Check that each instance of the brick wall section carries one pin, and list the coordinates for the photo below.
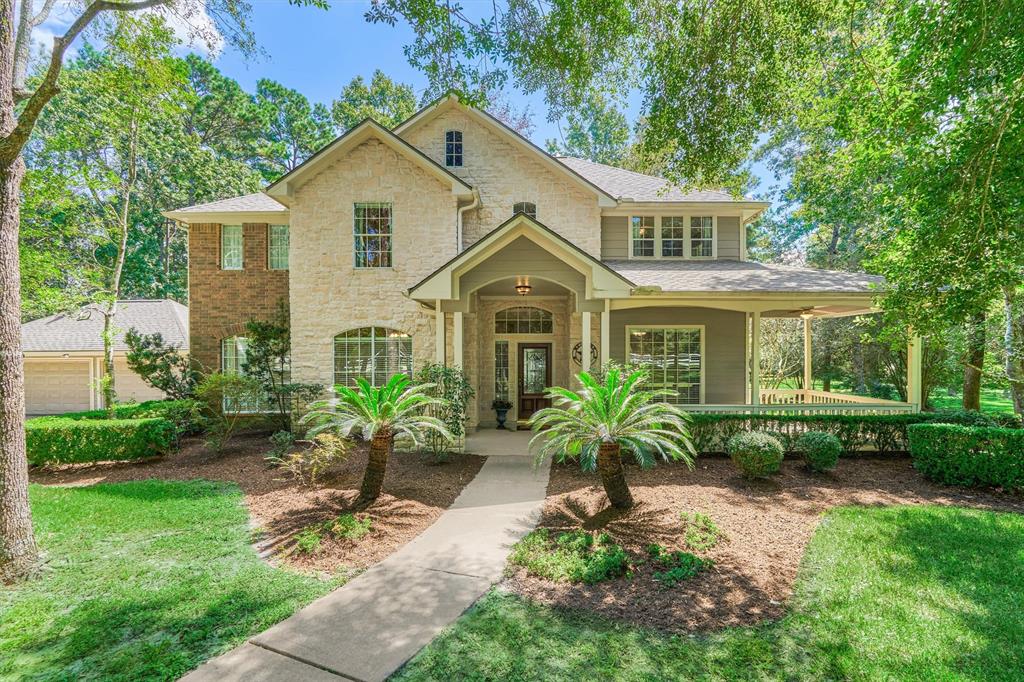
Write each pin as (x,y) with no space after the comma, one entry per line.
(222,301)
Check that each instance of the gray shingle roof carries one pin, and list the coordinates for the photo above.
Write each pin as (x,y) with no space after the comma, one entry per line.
(81,331)
(723,275)
(624,184)
(249,203)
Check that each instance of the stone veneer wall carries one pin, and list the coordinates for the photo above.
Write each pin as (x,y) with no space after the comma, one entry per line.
(222,301)
(505,173)
(328,294)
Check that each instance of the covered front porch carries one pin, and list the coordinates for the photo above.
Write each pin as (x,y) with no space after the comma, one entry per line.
(522,309)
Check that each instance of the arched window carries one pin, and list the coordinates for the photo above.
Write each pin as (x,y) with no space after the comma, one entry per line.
(453,148)
(525,207)
(523,320)
(375,353)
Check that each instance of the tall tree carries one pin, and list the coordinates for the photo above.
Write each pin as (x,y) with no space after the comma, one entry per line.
(386,101)
(295,129)
(598,132)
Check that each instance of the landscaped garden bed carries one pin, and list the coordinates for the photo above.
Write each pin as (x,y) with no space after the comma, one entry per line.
(416,492)
(765,526)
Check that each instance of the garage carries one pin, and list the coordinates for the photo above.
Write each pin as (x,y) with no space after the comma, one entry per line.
(56,386)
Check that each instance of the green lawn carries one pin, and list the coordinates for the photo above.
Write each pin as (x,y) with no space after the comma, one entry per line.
(143,581)
(992,401)
(907,593)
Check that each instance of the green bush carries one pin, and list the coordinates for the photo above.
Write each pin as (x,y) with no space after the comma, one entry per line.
(63,440)
(700,532)
(969,455)
(886,433)
(186,415)
(758,455)
(679,566)
(574,556)
(820,450)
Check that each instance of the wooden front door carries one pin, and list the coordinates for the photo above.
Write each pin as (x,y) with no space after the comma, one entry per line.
(534,377)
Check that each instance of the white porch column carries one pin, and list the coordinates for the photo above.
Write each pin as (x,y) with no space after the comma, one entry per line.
(438,333)
(808,373)
(755,360)
(585,338)
(606,337)
(914,395)
(457,341)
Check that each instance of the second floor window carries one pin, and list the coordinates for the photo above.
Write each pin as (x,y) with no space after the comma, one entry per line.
(453,148)
(642,236)
(278,254)
(687,236)
(526,208)
(231,247)
(372,235)
(702,236)
(673,236)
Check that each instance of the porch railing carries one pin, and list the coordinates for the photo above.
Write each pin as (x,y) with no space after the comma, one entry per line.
(799,401)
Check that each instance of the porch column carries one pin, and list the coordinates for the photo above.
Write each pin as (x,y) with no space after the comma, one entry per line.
(808,374)
(755,359)
(457,341)
(585,338)
(606,322)
(438,333)
(914,395)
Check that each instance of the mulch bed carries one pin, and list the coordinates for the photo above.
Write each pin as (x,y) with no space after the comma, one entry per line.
(767,525)
(415,493)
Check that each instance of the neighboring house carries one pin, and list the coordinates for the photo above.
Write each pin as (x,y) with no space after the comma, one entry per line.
(452,238)
(64,355)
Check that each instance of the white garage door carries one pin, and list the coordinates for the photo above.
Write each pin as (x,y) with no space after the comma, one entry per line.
(53,387)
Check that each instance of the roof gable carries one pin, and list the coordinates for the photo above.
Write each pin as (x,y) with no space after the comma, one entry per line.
(449,102)
(283,189)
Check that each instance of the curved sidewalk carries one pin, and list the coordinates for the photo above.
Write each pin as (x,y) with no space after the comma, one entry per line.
(371,626)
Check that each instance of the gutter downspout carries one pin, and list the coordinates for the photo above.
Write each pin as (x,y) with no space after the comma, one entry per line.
(458,219)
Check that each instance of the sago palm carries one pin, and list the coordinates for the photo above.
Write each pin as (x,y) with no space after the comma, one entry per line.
(378,415)
(606,417)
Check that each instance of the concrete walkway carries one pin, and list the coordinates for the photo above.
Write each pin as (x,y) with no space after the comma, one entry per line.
(370,627)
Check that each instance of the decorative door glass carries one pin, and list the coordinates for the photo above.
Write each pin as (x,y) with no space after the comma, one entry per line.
(535,370)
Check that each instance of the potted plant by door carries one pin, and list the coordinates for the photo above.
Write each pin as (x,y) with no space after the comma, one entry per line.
(501,408)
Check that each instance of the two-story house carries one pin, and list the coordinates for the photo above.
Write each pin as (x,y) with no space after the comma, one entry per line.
(451,238)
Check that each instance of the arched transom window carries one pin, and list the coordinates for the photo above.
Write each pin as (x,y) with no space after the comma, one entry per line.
(375,353)
(523,320)
(525,207)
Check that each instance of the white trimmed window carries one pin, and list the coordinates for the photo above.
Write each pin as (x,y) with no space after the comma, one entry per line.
(371,229)
(453,148)
(674,356)
(524,320)
(278,248)
(641,243)
(501,370)
(232,361)
(374,353)
(686,236)
(526,208)
(231,247)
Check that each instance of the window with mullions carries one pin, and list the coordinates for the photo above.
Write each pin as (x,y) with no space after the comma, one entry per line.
(374,353)
(453,148)
(278,250)
(673,236)
(523,320)
(642,227)
(231,247)
(526,208)
(371,229)
(702,236)
(501,370)
(672,355)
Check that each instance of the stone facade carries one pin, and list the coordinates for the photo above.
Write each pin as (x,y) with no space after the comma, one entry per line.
(505,173)
(329,294)
(222,301)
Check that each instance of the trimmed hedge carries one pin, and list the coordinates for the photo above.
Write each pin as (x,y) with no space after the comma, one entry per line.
(969,455)
(820,450)
(756,454)
(60,440)
(185,414)
(885,433)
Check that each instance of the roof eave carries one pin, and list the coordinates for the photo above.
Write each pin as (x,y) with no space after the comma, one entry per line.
(228,217)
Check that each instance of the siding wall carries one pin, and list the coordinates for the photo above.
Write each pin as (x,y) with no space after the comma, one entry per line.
(615,237)
(724,345)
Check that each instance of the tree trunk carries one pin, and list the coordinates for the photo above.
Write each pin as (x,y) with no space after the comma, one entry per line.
(18,553)
(376,466)
(974,362)
(613,478)
(1013,340)
(107,382)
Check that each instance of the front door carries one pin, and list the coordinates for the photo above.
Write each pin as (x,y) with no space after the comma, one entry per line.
(534,377)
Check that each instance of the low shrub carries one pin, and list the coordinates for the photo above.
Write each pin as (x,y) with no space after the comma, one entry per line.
(309,466)
(348,526)
(758,455)
(969,455)
(700,532)
(575,556)
(308,540)
(63,440)
(820,450)
(186,415)
(679,566)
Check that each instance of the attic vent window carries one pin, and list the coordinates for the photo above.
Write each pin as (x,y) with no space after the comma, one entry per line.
(453,148)
(526,208)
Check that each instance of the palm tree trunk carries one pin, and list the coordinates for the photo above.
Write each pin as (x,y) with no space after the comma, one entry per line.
(613,477)
(376,466)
